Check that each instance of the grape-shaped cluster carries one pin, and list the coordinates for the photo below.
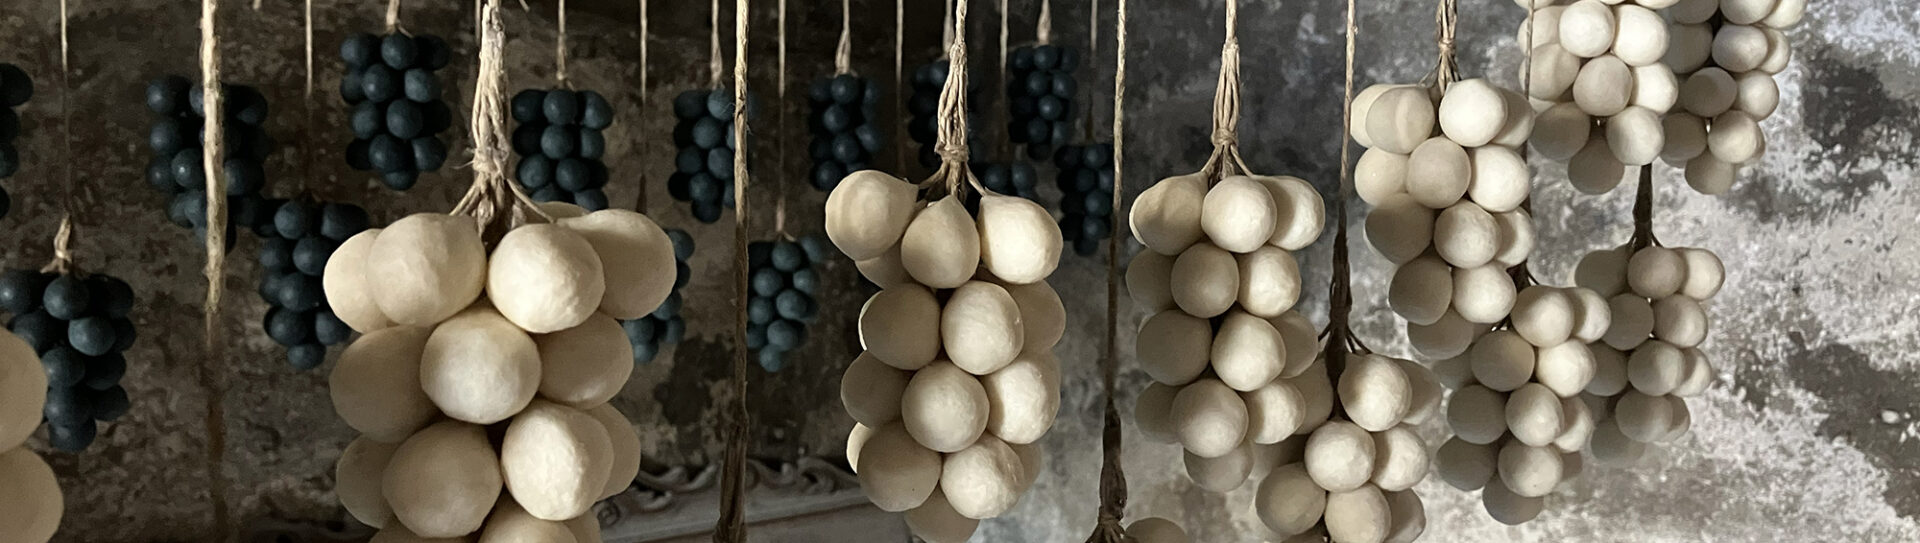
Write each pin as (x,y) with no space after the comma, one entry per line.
(397,113)
(178,168)
(1040,91)
(305,234)
(1445,182)
(1517,417)
(923,105)
(782,304)
(1651,356)
(703,168)
(1726,54)
(845,126)
(957,382)
(664,326)
(1596,69)
(560,143)
(78,325)
(1085,178)
(15,89)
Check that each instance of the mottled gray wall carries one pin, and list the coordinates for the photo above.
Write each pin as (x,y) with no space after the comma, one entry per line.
(1809,436)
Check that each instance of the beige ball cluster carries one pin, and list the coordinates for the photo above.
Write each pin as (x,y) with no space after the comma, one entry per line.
(1445,182)
(29,494)
(480,371)
(1725,52)
(957,382)
(1596,79)
(1651,357)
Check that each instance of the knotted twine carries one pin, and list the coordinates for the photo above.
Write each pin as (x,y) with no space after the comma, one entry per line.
(1340,340)
(1113,477)
(495,204)
(1643,211)
(560,46)
(843,53)
(1226,106)
(1446,18)
(393,15)
(952,119)
(732,524)
(62,262)
(212,157)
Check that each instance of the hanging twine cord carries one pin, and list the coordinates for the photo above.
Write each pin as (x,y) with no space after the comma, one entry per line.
(842,54)
(495,203)
(899,78)
(1643,211)
(306,107)
(1113,477)
(1340,340)
(1043,27)
(952,119)
(63,236)
(393,15)
(560,47)
(211,377)
(1226,105)
(732,524)
(640,196)
(946,30)
(1521,275)
(1446,20)
(780,129)
(718,65)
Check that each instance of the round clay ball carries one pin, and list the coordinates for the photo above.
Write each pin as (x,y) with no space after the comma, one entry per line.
(1543,315)
(1656,368)
(1519,125)
(867,213)
(1238,214)
(1421,290)
(1269,281)
(1529,471)
(1578,426)
(1466,235)
(1157,530)
(444,480)
(1400,119)
(1023,398)
(1759,96)
(1604,86)
(30,495)
(1173,347)
(944,408)
(1699,374)
(1360,514)
(1149,280)
(349,293)
(1561,131)
(1438,173)
(1565,368)
(1042,315)
(1299,213)
(982,480)
(1709,175)
(1400,228)
(1374,392)
(585,365)
(1736,137)
(1655,88)
(555,460)
(1500,178)
(424,268)
(1632,322)
(1409,517)
(1399,459)
(1641,36)
(1739,48)
(1587,28)
(636,260)
(885,270)
(586,528)
(375,384)
(896,472)
(1316,393)
(1503,360)
(1533,415)
(941,248)
(1656,272)
(900,326)
(1379,174)
(1153,412)
(1274,412)
(1340,456)
(1288,501)
(1477,414)
(1445,338)
(1472,112)
(1247,352)
(1611,447)
(1464,465)
(1221,474)
(1705,273)
(1552,73)
(1301,339)
(1708,92)
(1166,216)
(1209,417)
(1591,315)
(871,390)
(1205,280)
(626,448)
(357,478)
(478,367)
(1604,271)
(397,533)
(1686,137)
(1507,507)
(1482,294)
(936,522)
(23,391)
(1595,169)
(511,523)
(1679,320)
(1609,371)
(981,327)
(1426,394)
(1019,242)
(1643,418)
(1362,106)
(1635,136)
(1516,237)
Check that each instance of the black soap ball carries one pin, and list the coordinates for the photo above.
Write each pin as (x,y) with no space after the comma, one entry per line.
(66,298)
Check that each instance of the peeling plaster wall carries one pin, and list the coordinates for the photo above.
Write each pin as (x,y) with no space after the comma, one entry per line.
(1809,435)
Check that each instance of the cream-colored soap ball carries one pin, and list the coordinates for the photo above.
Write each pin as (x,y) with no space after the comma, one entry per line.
(1641,37)
(357,478)
(1316,391)
(1482,294)
(1269,281)
(1655,88)
(900,326)
(1374,392)
(30,495)
(636,258)
(1500,178)
(1445,338)
(1561,131)
(585,365)
(1238,214)
(1543,315)
(1288,501)
(1632,322)
(400,534)
(1205,280)
(425,267)
(1424,400)
(1274,412)
(1587,28)
(1477,414)
(349,294)
(1689,45)
(981,327)
(1222,474)
(1409,516)
(1642,417)
(1301,339)
(1379,174)
(1635,135)
(480,368)
(1247,352)
(1565,368)
(1465,465)
(1604,271)
(1699,374)
(1709,92)
(23,391)
(1421,290)
(1611,447)
(1174,347)
(1595,169)
(555,460)
(1400,228)
(867,213)
(1472,112)
(1529,471)
(1685,137)
(585,528)
(1157,530)
(1358,515)
(626,448)
(1340,456)
(1466,236)
(1209,417)
(856,440)
(1519,125)
(944,408)
(1736,137)
(375,384)
(982,480)
(1590,312)
(936,522)
(1166,216)
(444,480)
(1739,48)
(1438,172)
(1552,73)
(1508,507)
(1503,360)
(896,472)
(1400,119)
(1516,237)
(1609,371)
(1023,398)
(1604,86)
(1578,427)
(511,523)
(1656,272)
(1656,368)
(871,390)
(941,247)
(1759,95)
(1711,176)
(1533,415)
(885,270)
(1705,273)
(1399,458)
(1019,242)
(1153,412)
(1149,280)
(1679,320)
(1043,317)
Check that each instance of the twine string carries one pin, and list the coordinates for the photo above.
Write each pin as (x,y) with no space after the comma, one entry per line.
(640,196)
(899,78)
(495,203)
(731,526)
(1643,211)
(1446,20)
(780,128)
(63,236)
(1043,27)
(1113,477)
(393,15)
(211,378)
(946,30)
(718,65)
(843,53)
(560,47)
(952,120)
(1340,340)
(1093,46)
(1226,105)
(306,107)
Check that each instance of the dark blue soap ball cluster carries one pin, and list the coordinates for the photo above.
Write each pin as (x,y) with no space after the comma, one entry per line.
(15,89)
(178,169)
(1010,179)
(79,326)
(923,108)
(560,142)
(782,299)
(845,125)
(396,110)
(703,165)
(305,234)
(1086,195)
(1040,89)
(664,326)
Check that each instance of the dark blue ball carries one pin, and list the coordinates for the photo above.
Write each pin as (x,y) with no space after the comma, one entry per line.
(306,356)
(708,133)
(785,335)
(399,51)
(756,337)
(788,256)
(359,49)
(105,371)
(21,290)
(645,352)
(720,104)
(806,281)
(558,141)
(528,105)
(288,327)
(595,112)
(67,405)
(168,95)
(378,83)
(310,254)
(682,243)
(676,330)
(390,154)
(561,107)
(772,361)
(123,334)
(400,180)
(301,293)
(276,253)
(846,89)
(768,282)
(41,331)
(72,437)
(641,330)
(296,219)
(669,308)
(760,310)
(405,120)
(706,212)
(66,298)
(591,199)
(592,145)
(110,404)
(421,85)
(91,336)
(795,305)
(65,367)
(690,105)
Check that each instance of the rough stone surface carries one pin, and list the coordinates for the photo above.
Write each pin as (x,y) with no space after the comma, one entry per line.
(1808,434)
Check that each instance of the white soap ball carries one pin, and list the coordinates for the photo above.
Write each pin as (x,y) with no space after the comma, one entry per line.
(1472,112)
(1656,368)
(1735,138)
(1739,48)
(555,460)
(1656,272)
(1421,290)
(585,528)
(1552,72)
(1445,338)
(1709,175)
(1363,104)
(1043,317)
(1529,471)
(1247,352)
(1399,458)
(1374,392)
(30,495)
(944,408)
(1400,119)
(941,247)
(1655,87)
(1465,465)
(375,384)
(626,449)
(1635,135)
(900,326)
(1689,46)
(585,365)
(1516,237)
(1153,412)
(1222,474)
(1566,368)
(1438,172)
(868,212)
(981,327)
(1694,11)
(1019,241)
(1477,414)
(885,270)
(1173,347)
(1699,374)
(1542,25)
(444,480)
(857,440)
(1205,280)
(1503,360)
(1604,86)
(424,268)
(1340,456)
(1603,270)
(1301,339)
(1708,92)
(1561,131)
(1501,179)
(1400,228)
(1409,517)
(510,523)
(1267,457)
(1424,401)
(345,282)
(1274,412)
(1591,315)
(1466,235)
(1157,530)
(560,210)
(982,480)
(1609,371)
(1577,427)
(1543,315)
(896,472)
(1166,216)
(1612,448)
(1758,95)
(1507,507)
(1454,372)
(1779,52)
(1032,460)
(1746,12)
(1238,214)
(1686,137)
(1679,320)
(1317,392)
(1533,415)
(1519,125)
(635,255)
(1023,397)
(23,391)
(1632,321)
(936,522)
(1149,279)
(1595,169)
(1643,418)
(1360,515)
(1705,273)
(1379,174)
(1299,213)
(1481,294)
(1209,417)
(1587,28)
(1785,14)
(1641,39)
(357,478)
(480,368)
(871,390)
(400,534)
(1288,501)
(1269,281)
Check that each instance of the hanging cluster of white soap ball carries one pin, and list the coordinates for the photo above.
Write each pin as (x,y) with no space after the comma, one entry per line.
(1596,77)
(29,493)
(1651,356)
(1726,53)
(481,371)
(1516,413)
(1446,182)
(957,382)
(1226,351)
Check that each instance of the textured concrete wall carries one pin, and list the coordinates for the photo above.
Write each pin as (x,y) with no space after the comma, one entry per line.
(1808,437)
